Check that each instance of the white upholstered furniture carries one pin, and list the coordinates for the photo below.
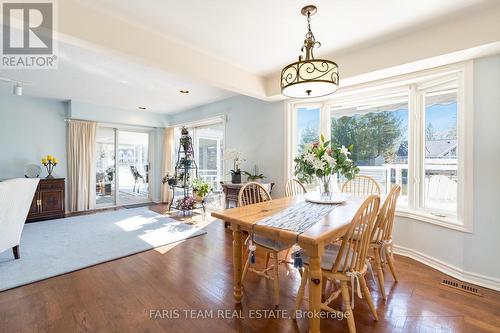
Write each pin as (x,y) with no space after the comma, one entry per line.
(16,196)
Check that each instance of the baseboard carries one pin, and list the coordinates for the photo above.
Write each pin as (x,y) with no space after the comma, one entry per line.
(453,271)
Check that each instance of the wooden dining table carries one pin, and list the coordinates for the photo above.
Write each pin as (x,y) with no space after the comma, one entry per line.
(312,241)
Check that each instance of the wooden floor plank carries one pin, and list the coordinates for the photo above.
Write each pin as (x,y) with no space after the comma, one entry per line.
(196,274)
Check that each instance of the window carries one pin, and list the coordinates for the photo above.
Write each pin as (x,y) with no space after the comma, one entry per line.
(414,131)
(377,129)
(307,127)
(208,144)
(441,152)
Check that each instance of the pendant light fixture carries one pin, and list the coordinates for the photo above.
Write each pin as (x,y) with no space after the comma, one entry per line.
(309,77)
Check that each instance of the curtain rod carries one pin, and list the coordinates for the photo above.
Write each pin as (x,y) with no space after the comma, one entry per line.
(113,124)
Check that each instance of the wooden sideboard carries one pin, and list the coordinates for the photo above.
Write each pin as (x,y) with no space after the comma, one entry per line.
(48,202)
(231,192)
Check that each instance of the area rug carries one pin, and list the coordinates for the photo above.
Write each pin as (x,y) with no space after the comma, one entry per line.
(55,247)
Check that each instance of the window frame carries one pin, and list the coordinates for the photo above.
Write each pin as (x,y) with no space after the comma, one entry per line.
(416,85)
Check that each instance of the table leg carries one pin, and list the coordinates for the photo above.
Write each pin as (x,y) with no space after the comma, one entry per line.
(237,258)
(315,287)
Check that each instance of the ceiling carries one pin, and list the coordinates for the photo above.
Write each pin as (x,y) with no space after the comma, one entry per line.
(104,79)
(215,48)
(263,35)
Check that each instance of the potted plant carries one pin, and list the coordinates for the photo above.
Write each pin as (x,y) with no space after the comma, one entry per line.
(200,189)
(187,203)
(256,176)
(185,139)
(321,161)
(237,158)
(170,180)
(185,162)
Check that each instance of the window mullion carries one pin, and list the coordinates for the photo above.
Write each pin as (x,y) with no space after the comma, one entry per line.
(414,144)
(325,123)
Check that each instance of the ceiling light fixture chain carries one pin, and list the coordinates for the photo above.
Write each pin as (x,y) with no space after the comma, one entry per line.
(310,41)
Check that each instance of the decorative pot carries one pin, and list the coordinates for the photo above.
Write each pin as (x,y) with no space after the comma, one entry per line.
(236,178)
(197,197)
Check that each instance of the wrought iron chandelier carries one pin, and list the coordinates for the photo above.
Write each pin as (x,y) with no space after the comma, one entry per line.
(309,77)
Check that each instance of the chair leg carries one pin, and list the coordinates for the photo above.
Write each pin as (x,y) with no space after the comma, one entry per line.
(346,297)
(390,261)
(15,250)
(267,260)
(368,296)
(276,279)
(300,293)
(245,269)
(380,273)
(323,289)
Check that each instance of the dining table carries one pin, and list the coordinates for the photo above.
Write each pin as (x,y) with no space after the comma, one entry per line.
(322,231)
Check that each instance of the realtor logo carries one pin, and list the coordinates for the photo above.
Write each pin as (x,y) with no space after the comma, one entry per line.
(27,35)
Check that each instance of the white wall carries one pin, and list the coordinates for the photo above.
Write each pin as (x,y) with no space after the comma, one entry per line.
(254,127)
(476,253)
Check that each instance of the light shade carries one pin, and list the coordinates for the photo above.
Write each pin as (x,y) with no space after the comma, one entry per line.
(309,78)
(18,90)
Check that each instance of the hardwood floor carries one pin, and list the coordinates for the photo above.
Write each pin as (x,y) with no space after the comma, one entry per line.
(197,274)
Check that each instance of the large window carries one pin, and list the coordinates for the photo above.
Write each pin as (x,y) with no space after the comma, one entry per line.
(378,132)
(415,133)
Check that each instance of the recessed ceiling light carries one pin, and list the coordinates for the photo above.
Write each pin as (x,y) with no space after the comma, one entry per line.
(184,91)
(142,108)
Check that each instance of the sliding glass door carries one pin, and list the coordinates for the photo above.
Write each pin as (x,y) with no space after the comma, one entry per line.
(133,167)
(122,167)
(105,167)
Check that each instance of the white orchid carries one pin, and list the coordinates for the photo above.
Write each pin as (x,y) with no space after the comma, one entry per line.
(234,155)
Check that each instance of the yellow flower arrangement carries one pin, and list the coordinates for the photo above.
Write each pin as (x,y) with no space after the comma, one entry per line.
(49,162)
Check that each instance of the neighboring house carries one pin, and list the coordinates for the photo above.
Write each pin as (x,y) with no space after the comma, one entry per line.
(442,148)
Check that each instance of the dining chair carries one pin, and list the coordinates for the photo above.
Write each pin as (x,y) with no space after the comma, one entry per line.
(381,240)
(361,185)
(293,187)
(252,193)
(347,263)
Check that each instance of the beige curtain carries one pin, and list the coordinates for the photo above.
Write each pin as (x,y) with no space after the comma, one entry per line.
(81,165)
(168,152)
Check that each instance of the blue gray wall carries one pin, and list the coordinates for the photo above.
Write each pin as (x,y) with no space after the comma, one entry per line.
(254,127)
(32,127)
(29,129)
(472,252)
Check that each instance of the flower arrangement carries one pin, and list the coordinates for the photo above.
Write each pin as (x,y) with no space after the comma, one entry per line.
(320,160)
(186,203)
(49,162)
(200,188)
(237,157)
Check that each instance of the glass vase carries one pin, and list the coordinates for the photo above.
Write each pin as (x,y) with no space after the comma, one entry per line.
(326,186)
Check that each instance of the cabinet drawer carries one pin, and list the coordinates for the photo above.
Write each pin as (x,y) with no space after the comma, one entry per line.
(52,185)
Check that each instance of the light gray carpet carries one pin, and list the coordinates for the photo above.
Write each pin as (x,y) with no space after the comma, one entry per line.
(55,247)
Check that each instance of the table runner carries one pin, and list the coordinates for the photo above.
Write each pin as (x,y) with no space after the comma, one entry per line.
(297,218)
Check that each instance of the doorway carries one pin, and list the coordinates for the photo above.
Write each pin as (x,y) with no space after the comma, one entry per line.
(122,167)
